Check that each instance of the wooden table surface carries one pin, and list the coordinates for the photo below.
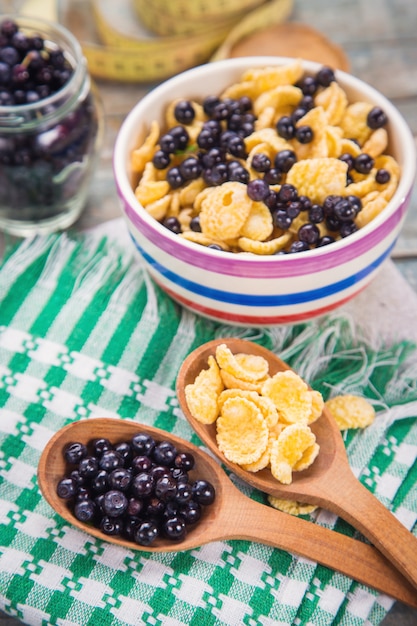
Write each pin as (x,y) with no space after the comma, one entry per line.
(380,41)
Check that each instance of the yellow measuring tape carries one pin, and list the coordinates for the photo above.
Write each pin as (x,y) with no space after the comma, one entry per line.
(119,44)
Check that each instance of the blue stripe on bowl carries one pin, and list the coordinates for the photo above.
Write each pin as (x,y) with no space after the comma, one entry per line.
(266,300)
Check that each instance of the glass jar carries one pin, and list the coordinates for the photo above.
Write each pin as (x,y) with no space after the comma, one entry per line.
(48,148)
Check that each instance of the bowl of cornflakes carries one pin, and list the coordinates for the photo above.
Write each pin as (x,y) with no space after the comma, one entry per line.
(264,190)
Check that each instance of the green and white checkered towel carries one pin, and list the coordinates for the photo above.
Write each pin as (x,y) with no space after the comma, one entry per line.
(84,332)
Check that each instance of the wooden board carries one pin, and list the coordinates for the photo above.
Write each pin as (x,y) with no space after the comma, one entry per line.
(292,39)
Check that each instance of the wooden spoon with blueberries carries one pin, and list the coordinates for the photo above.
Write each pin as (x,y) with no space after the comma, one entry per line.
(226,512)
(329,482)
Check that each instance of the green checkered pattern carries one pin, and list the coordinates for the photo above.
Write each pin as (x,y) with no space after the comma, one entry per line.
(84,332)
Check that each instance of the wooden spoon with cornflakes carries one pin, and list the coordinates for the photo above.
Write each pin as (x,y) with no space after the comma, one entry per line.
(231,516)
(329,482)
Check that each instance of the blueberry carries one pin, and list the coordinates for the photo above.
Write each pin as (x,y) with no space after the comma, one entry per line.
(142,443)
(184,112)
(329,204)
(185,461)
(293,208)
(333,223)
(120,478)
(344,210)
(77,478)
(180,475)
(305,202)
(285,127)
(298,113)
(100,482)
(212,157)
(142,485)
(257,189)
(299,246)
(273,176)
(174,528)
(316,214)
(130,525)
(355,202)
(304,134)
(207,139)
(271,200)
(376,118)
(195,225)
(324,241)
(111,525)
(306,103)
(101,445)
(237,172)
(308,85)
(181,137)
(83,493)
(325,76)
(287,193)
(155,507)
(190,512)
(217,175)
(221,111)
(166,488)
(115,503)
(84,510)
(109,460)
(347,228)
(146,533)
(141,463)
(161,159)
(88,466)
(135,506)
(167,143)
(74,452)
(125,450)
(174,177)
(203,491)
(348,159)
(382,176)
(261,162)
(281,219)
(236,147)
(158,471)
(363,163)
(183,493)
(190,168)
(209,104)
(164,453)
(66,488)
(309,233)
(284,160)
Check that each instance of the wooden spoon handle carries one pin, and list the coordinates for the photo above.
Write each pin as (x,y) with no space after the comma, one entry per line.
(358,506)
(360,561)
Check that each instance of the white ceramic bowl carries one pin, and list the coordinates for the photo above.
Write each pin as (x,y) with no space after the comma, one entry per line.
(254,290)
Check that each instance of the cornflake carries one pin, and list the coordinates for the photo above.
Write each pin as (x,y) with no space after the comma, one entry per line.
(290,506)
(351,411)
(242,432)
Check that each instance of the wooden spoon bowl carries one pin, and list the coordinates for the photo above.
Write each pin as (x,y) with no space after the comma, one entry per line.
(328,482)
(231,516)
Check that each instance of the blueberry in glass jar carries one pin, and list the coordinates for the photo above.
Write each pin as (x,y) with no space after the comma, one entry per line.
(49,127)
